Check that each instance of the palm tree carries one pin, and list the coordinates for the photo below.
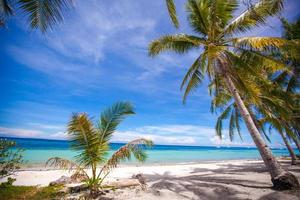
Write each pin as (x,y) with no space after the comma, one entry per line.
(91,141)
(42,14)
(216,29)
(290,82)
(271,113)
(284,93)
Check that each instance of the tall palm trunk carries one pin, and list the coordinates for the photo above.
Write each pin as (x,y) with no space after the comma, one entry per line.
(281,179)
(290,149)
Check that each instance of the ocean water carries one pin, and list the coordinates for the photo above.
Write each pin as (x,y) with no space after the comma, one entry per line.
(37,151)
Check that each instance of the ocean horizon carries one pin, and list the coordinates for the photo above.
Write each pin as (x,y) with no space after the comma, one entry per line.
(37,151)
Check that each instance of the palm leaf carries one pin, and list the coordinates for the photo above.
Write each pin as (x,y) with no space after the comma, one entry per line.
(198,13)
(44,14)
(61,163)
(223,116)
(260,43)
(5,8)
(66,164)
(254,15)
(172,12)
(220,13)
(84,138)
(237,122)
(111,118)
(194,76)
(179,43)
(258,59)
(5,11)
(135,148)
(232,125)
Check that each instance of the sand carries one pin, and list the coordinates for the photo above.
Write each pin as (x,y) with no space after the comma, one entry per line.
(236,179)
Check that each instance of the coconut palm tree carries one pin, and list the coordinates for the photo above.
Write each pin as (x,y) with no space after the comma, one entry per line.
(91,141)
(271,113)
(290,82)
(216,29)
(281,111)
(42,14)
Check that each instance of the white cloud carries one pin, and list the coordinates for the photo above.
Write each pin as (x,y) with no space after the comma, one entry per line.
(59,135)
(126,136)
(190,130)
(47,126)
(17,132)
(47,62)
(97,40)
(216,140)
(98,27)
(176,134)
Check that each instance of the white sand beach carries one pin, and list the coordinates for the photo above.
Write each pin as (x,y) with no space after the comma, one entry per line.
(236,179)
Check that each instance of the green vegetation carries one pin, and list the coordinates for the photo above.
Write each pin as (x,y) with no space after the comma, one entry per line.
(10,160)
(91,141)
(237,67)
(42,14)
(11,192)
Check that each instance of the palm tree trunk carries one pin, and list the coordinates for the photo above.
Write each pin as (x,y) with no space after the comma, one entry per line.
(281,179)
(290,149)
(94,187)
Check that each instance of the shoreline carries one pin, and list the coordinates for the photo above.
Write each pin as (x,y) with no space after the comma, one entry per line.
(41,167)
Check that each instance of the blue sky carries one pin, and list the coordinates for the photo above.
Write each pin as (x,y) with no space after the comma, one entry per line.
(99,56)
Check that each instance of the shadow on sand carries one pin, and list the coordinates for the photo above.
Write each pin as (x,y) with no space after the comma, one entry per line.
(227,182)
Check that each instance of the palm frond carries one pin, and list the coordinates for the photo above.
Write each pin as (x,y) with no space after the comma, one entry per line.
(5,8)
(254,15)
(66,164)
(221,99)
(223,116)
(198,13)
(135,148)
(84,138)
(220,13)
(61,163)
(172,12)
(5,11)
(44,14)
(111,118)
(194,76)
(260,43)
(179,43)
(232,126)
(237,122)
(291,30)
(258,59)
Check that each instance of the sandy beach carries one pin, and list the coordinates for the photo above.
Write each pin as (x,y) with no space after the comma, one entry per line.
(235,179)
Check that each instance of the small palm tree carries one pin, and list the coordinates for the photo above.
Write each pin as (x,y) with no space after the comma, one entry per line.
(91,141)
(222,49)
(42,14)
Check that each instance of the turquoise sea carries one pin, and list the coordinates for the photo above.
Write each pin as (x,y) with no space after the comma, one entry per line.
(37,151)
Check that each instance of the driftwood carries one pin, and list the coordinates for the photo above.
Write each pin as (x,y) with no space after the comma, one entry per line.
(61,181)
(122,183)
(136,180)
